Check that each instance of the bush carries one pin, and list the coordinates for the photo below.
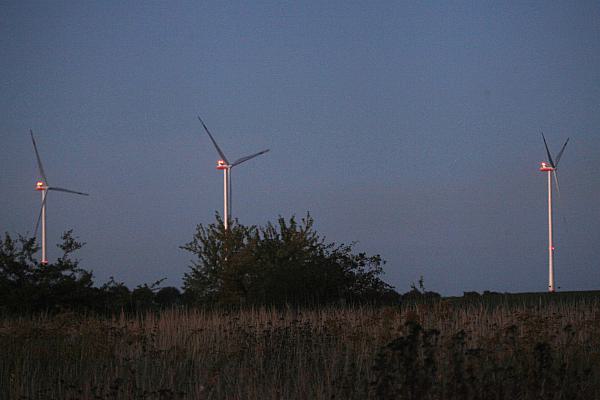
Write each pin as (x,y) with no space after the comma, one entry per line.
(283,263)
(27,286)
(168,296)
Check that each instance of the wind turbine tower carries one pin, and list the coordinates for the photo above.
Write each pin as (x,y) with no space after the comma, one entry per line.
(224,165)
(43,186)
(550,167)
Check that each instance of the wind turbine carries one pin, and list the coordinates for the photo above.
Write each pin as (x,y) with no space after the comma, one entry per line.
(43,186)
(224,165)
(551,168)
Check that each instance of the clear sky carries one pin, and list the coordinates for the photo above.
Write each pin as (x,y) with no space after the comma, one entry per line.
(412,128)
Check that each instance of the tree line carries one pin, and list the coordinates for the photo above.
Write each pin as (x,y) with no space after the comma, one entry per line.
(286,263)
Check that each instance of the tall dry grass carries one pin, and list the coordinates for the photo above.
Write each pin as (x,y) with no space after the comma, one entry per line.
(437,351)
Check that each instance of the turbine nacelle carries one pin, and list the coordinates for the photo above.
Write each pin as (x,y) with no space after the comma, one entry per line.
(545,167)
(39,185)
(221,165)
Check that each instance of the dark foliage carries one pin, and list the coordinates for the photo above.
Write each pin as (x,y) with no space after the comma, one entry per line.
(418,295)
(26,286)
(283,263)
(418,365)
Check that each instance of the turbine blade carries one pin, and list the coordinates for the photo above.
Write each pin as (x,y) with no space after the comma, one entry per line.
(39,160)
(67,191)
(560,153)
(37,223)
(548,151)
(556,181)
(558,208)
(243,159)
(214,142)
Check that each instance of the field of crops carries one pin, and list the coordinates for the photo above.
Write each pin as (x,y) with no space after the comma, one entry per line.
(442,350)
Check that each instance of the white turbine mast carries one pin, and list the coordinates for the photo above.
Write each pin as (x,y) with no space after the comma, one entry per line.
(43,186)
(226,166)
(551,167)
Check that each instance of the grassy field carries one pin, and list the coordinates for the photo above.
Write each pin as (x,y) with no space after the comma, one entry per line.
(451,349)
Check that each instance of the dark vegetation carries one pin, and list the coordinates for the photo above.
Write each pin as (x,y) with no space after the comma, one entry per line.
(412,351)
(277,312)
(26,287)
(286,263)
(282,264)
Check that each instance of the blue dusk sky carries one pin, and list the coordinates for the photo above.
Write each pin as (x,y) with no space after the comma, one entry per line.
(411,128)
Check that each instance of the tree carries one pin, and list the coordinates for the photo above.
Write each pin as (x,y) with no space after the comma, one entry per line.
(26,285)
(168,296)
(282,263)
(17,271)
(223,262)
(116,296)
